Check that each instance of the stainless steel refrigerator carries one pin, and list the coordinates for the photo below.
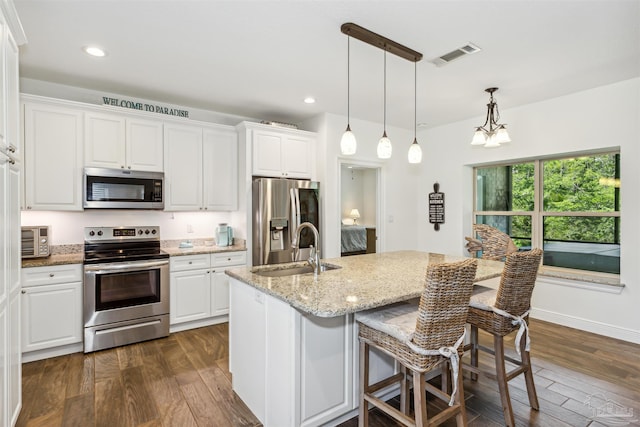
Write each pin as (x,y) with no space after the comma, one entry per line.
(279,207)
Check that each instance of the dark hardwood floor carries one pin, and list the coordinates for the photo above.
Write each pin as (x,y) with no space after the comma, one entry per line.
(183,380)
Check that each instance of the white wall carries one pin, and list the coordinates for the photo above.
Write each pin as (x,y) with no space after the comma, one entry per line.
(399,210)
(604,117)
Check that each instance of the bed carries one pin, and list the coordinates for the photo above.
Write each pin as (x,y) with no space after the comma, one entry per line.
(353,240)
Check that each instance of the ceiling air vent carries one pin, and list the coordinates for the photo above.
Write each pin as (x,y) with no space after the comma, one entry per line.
(467,49)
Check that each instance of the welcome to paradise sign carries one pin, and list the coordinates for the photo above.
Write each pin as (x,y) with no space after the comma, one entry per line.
(124,103)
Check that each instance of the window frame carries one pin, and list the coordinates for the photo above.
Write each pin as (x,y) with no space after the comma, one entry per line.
(538,214)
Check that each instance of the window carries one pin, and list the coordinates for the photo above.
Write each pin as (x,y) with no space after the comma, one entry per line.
(569,207)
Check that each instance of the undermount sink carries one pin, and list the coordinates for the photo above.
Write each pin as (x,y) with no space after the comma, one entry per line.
(292,270)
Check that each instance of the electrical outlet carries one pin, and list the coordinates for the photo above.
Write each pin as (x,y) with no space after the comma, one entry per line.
(189,228)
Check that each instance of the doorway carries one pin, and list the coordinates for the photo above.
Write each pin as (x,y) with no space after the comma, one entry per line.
(360,208)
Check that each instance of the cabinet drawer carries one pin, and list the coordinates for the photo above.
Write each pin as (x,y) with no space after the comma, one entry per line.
(189,262)
(228,258)
(37,276)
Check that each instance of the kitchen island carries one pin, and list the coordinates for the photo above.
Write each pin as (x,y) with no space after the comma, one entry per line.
(293,340)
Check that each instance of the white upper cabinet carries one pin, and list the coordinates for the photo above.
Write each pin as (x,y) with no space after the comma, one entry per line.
(53,157)
(220,169)
(183,167)
(116,142)
(282,153)
(201,170)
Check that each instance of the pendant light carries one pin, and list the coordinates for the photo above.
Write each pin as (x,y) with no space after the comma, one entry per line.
(384,148)
(415,152)
(384,145)
(348,141)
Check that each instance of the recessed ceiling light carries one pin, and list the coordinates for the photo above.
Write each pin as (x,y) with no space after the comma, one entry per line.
(94,51)
(309,100)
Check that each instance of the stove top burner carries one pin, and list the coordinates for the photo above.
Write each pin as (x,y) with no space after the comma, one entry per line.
(122,244)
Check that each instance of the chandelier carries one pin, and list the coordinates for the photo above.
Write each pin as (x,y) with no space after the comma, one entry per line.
(496,133)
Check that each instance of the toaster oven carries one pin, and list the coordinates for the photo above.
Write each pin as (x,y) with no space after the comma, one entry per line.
(35,241)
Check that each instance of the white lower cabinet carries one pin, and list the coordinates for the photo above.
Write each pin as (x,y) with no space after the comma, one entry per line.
(51,307)
(291,368)
(200,288)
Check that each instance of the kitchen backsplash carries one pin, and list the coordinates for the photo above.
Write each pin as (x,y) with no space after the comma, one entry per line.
(67,228)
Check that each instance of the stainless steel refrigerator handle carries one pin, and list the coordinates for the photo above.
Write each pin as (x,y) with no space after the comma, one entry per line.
(297,193)
(292,223)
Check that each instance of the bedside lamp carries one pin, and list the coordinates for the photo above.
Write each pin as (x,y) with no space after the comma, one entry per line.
(354,215)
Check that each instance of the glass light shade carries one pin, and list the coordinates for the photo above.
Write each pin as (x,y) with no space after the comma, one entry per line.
(492,141)
(384,147)
(415,152)
(502,136)
(479,137)
(348,142)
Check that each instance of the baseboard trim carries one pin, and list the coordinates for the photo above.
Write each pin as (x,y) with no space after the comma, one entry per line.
(600,328)
(48,353)
(179,327)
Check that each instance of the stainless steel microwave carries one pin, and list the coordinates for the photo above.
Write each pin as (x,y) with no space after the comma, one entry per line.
(35,241)
(123,189)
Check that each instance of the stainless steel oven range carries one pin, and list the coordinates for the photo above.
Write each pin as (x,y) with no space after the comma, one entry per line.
(126,286)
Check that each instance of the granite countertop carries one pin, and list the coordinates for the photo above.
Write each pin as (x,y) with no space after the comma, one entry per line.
(363,282)
(204,249)
(54,259)
(73,254)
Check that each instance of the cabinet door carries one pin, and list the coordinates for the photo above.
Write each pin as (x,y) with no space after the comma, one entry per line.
(53,157)
(104,145)
(219,293)
(266,154)
(190,296)
(220,169)
(144,148)
(12,125)
(4,361)
(296,157)
(183,168)
(15,358)
(51,316)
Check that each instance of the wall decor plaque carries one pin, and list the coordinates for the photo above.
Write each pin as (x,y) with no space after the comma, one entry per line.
(436,207)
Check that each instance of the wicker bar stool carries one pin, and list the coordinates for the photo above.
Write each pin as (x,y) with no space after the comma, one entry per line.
(422,338)
(500,312)
(493,243)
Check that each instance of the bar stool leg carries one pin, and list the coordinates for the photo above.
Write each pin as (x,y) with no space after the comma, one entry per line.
(528,375)
(461,417)
(363,410)
(420,398)
(498,344)
(474,351)
(404,391)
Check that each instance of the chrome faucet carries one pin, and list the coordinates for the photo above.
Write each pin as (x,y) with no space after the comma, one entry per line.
(314,257)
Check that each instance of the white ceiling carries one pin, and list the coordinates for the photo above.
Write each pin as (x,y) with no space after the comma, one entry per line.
(262,58)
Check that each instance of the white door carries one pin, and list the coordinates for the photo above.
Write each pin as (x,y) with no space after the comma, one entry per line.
(220,170)
(51,316)
(144,148)
(190,296)
(53,157)
(104,145)
(183,168)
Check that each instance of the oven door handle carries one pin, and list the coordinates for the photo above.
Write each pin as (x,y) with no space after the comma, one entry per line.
(124,266)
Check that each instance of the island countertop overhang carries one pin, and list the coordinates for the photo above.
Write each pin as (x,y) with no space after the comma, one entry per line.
(363,281)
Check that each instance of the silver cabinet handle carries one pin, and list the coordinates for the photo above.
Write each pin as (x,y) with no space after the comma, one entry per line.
(51,275)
